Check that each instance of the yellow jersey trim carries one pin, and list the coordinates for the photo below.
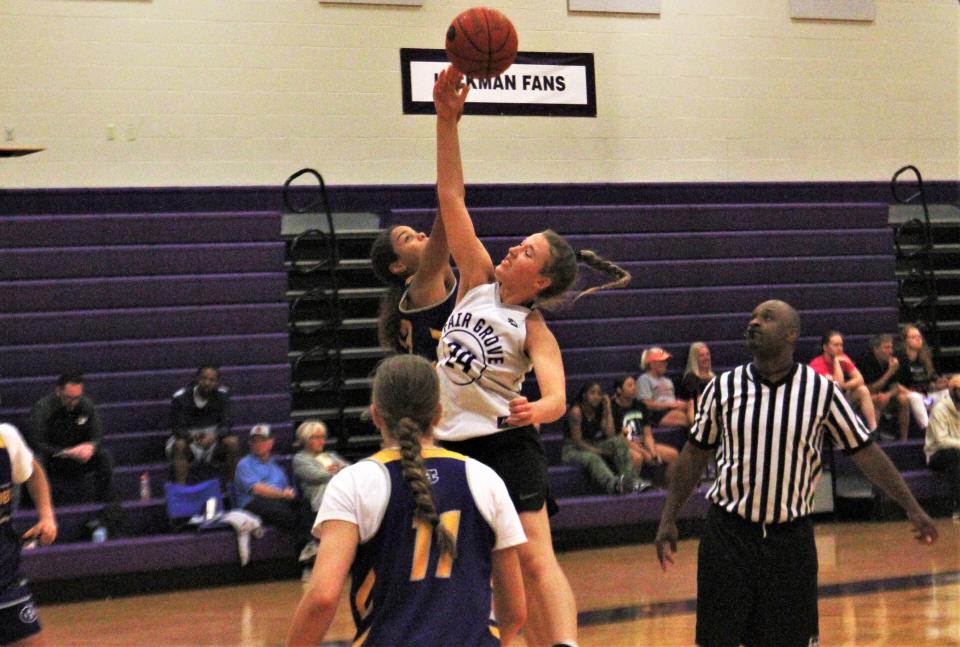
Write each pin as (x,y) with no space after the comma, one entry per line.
(385,456)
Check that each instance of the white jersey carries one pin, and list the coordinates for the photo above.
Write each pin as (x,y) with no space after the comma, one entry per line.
(481,363)
(21,458)
(360,493)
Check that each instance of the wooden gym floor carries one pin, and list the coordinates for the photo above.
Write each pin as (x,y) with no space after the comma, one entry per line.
(877,587)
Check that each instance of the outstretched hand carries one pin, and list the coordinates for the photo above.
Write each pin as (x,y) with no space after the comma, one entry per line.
(45,530)
(666,543)
(923,528)
(449,94)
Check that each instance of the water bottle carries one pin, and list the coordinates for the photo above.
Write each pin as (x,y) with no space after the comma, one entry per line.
(99,535)
(144,486)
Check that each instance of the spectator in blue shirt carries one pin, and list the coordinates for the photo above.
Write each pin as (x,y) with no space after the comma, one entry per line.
(262,487)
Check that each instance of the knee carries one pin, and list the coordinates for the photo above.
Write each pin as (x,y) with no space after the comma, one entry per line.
(180,448)
(230,444)
(102,459)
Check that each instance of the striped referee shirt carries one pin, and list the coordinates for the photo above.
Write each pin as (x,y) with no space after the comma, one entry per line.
(770,438)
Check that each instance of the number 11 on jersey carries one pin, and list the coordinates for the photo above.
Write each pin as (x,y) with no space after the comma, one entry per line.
(423,541)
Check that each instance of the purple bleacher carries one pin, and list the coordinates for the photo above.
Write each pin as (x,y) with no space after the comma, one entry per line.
(148,446)
(753,271)
(660,330)
(926,484)
(636,300)
(522,221)
(124,417)
(134,323)
(721,245)
(140,228)
(134,292)
(626,358)
(594,511)
(128,355)
(139,260)
(144,517)
(149,385)
(159,552)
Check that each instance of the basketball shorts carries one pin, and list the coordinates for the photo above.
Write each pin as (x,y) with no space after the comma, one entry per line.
(756,583)
(517,456)
(18,614)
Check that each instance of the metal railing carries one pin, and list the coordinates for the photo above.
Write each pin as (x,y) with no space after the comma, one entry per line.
(918,262)
(328,352)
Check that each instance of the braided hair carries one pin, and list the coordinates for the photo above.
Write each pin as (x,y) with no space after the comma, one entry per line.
(388,318)
(406,393)
(561,269)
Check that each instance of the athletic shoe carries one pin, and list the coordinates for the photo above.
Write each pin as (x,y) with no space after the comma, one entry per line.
(309,551)
(639,485)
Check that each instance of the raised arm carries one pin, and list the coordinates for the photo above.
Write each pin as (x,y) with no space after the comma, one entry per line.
(471,256)
(433,279)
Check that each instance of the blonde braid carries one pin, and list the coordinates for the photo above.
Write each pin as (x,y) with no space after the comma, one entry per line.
(621,277)
(407,432)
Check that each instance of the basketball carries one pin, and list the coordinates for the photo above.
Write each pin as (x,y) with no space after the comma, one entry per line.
(481,43)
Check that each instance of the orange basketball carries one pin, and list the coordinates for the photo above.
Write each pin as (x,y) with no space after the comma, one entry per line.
(481,43)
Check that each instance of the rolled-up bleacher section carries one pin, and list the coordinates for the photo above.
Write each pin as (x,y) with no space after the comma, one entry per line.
(137,302)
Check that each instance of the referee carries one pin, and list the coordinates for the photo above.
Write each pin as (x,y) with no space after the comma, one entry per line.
(757,563)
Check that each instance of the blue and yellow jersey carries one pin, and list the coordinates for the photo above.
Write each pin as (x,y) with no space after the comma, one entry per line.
(404,591)
(420,328)
(9,541)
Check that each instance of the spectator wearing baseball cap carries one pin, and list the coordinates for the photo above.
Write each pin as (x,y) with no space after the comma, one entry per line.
(656,390)
(262,487)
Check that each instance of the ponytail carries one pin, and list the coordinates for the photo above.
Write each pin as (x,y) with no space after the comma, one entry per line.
(562,271)
(406,392)
(388,319)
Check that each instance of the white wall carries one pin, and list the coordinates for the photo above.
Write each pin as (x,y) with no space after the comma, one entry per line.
(243,92)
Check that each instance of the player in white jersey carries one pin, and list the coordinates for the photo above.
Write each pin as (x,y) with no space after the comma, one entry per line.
(491,340)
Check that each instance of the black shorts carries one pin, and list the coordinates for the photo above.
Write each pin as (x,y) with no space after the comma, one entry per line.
(756,584)
(18,615)
(517,456)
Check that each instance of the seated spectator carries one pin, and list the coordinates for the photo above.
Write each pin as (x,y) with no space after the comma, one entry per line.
(65,434)
(656,391)
(879,368)
(834,364)
(942,445)
(262,487)
(202,446)
(922,384)
(589,440)
(630,420)
(312,466)
(695,378)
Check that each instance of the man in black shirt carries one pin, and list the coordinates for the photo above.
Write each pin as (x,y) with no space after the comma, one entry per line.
(879,368)
(65,433)
(201,445)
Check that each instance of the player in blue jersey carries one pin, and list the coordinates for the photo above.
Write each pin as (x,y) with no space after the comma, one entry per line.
(421,288)
(421,530)
(18,616)
(494,336)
